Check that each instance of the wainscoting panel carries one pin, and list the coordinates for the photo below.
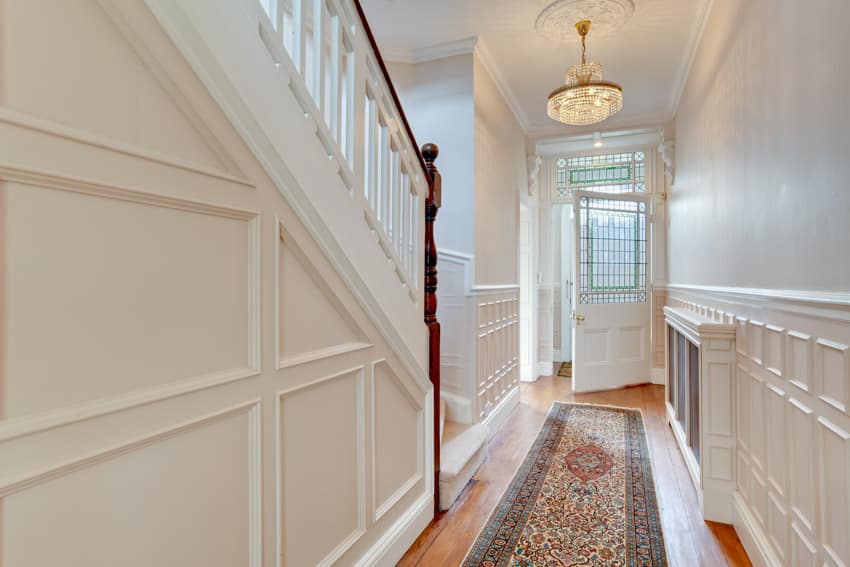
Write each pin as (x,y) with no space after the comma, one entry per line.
(311,322)
(497,348)
(314,481)
(793,447)
(398,417)
(187,347)
(109,508)
(120,259)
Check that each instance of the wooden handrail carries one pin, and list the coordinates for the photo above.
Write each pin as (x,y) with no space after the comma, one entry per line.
(391,87)
(432,206)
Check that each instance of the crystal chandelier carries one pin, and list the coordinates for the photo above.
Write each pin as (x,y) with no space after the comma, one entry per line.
(585,98)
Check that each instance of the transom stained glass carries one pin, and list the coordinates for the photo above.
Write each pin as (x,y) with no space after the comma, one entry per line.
(606,173)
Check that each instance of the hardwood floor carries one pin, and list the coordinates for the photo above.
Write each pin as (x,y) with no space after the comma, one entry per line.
(690,541)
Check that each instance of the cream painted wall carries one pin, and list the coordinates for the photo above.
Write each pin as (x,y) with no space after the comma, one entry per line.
(437,99)
(762,191)
(190,375)
(500,177)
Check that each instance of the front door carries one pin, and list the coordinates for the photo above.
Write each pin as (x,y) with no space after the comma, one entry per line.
(611,317)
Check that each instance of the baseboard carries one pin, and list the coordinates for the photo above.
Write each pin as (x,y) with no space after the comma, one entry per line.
(458,408)
(546,368)
(754,540)
(657,376)
(397,540)
(501,412)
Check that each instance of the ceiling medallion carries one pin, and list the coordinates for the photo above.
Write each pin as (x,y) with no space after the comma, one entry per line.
(585,98)
(608,16)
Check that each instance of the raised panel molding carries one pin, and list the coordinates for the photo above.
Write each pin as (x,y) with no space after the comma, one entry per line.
(742,384)
(320,412)
(252,446)
(757,422)
(774,345)
(804,488)
(803,553)
(832,373)
(381,504)
(755,341)
(312,323)
(777,440)
(37,188)
(834,484)
(800,360)
(793,395)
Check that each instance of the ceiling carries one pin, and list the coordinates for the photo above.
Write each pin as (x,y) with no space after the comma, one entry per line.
(649,56)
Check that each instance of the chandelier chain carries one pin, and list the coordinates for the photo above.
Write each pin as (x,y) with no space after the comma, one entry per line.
(583,49)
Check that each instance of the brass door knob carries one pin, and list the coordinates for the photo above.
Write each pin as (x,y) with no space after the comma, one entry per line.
(579,317)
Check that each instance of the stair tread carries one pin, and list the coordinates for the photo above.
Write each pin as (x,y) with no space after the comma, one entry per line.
(460,444)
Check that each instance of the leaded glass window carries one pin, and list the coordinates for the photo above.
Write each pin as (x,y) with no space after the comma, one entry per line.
(623,172)
(612,246)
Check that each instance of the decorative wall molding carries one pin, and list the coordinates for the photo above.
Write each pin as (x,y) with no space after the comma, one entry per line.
(466,46)
(793,432)
(10,486)
(699,25)
(207,65)
(491,66)
(463,46)
(533,163)
(48,128)
(826,304)
(359,372)
(380,509)
(667,149)
(466,261)
(497,346)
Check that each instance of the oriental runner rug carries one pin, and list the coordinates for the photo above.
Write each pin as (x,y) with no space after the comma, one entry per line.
(583,496)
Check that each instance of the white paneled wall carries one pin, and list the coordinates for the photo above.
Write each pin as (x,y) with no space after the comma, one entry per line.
(480,352)
(213,343)
(793,426)
(497,345)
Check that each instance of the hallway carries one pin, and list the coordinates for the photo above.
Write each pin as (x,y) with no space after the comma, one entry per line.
(689,540)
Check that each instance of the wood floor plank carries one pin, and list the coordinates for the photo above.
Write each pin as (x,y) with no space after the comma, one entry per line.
(690,541)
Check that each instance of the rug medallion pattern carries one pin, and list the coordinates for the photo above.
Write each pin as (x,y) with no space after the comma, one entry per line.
(584,496)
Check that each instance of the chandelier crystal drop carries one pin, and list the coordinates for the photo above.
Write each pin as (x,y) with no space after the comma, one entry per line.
(585,98)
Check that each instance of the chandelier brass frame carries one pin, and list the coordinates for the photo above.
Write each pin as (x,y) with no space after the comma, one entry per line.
(585,98)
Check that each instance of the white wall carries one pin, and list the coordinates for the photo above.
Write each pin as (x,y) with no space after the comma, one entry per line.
(437,99)
(761,145)
(761,201)
(500,177)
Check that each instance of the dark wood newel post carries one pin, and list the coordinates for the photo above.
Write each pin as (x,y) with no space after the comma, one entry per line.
(432,205)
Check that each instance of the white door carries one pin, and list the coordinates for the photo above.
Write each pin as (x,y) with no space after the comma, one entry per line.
(611,318)
(566,236)
(526,290)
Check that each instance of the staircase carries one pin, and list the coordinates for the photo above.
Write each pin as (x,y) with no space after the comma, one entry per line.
(463,447)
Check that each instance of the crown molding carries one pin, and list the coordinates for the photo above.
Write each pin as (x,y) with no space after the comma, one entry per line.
(489,64)
(465,46)
(649,136)
(700,23)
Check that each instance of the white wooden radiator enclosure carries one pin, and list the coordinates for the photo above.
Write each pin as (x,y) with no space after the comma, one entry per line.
(700,405)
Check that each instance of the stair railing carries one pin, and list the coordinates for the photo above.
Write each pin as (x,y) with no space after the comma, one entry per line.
(342,77)
(337,77)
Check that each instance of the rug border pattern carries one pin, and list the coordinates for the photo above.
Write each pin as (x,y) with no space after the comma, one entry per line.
(496,541)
